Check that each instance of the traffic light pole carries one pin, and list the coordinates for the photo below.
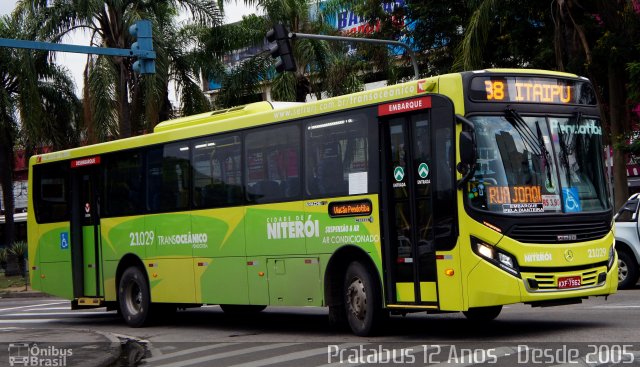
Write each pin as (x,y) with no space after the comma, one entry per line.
(37,45)
(142,49)
(293,35)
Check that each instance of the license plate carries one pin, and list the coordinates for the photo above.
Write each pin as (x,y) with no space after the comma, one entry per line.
(569,282)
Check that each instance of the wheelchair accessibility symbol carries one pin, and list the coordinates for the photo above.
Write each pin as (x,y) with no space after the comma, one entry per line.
(571,200)
(64,240)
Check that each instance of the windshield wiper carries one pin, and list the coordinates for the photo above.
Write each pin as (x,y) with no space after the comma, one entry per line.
(566,148)
(528,137)
(536,143)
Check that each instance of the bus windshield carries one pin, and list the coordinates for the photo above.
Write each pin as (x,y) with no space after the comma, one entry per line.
(538,164)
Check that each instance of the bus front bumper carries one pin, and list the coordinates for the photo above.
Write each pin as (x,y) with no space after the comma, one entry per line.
(491,286)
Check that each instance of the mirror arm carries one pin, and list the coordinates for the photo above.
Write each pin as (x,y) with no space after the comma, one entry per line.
(460,183)
(472,167)
(464,121)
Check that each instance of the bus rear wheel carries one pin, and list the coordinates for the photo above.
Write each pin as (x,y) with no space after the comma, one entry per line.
(362,300)
(134,298)
(483,314)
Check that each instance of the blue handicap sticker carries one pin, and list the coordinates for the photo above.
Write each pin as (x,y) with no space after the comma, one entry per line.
(64,240)
(571,200)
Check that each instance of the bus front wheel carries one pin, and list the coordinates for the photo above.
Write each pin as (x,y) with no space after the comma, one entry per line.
(362,300)
(483,314)
(134,297)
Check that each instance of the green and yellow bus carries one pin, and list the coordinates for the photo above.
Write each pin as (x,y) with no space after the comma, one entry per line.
(460,192)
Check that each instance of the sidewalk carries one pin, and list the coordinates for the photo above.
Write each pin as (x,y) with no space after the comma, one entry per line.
(20,292)
(54,347)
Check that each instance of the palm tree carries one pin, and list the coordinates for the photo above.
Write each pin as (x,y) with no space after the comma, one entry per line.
(242,82)
(110,85)
(37,104)
(323,68)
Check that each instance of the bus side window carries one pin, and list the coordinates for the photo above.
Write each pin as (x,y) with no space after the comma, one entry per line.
(168,177)
(337,147)
(273,164)
(51,192)
(123,184)
(217,174)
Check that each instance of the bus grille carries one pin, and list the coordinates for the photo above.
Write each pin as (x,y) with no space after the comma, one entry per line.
(543,281)
(559,233)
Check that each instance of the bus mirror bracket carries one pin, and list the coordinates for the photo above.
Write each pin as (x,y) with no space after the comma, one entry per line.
(467,165)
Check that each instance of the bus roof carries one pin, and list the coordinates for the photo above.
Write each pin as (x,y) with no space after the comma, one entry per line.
(223,114)
(262,113)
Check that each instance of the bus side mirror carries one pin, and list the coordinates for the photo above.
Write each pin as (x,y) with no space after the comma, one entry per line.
(468,157)
(467,148)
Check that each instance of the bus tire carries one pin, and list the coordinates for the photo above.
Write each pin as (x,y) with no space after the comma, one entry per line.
(482,314)
(338,318)
(362,300)
(627,270)
(134,297)
(238,310)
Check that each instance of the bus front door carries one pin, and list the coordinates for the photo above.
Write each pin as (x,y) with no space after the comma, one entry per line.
(417,180)
(85,231)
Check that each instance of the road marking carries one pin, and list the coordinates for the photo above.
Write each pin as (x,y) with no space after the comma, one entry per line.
(234,353)
(293,356)
(48,309)
(187,351)
(27,321)
(617,306)
(30,314)
(31,306)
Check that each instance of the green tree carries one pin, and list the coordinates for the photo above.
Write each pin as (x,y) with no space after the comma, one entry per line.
(595,39)
(37,105)
(119,103)
(323,68)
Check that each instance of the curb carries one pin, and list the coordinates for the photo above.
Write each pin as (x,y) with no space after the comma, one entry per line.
(115,349)
(108,356)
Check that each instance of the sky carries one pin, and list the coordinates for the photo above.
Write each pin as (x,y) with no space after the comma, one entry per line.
(234,10)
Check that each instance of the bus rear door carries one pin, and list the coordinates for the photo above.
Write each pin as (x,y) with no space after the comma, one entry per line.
(85,227)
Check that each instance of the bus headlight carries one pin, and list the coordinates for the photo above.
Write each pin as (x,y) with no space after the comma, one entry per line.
(495,256)
(612,256)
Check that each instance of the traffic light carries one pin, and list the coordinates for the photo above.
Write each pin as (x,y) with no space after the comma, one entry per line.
(142,48)
(281,50)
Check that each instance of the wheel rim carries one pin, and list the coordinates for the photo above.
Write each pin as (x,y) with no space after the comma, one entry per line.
(134,298)
(357,299)
(622,270)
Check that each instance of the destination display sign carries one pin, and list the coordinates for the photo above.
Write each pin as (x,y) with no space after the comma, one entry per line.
(91,161)
(531,90)
(350,208)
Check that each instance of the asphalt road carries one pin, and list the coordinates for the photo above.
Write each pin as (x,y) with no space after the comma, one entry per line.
(596,332)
